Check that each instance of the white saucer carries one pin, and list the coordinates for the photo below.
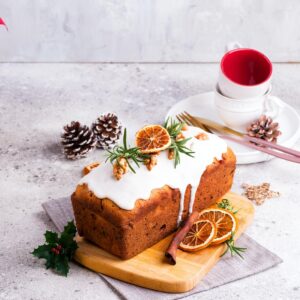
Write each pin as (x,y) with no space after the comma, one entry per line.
(202,105)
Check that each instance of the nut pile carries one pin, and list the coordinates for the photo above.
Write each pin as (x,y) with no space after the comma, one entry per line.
(259,193)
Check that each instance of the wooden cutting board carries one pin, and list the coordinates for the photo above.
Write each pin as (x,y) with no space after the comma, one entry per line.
(150,269)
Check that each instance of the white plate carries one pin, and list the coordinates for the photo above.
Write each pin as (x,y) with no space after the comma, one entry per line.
(202,105)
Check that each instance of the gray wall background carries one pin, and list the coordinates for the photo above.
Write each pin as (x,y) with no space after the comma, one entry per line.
(146,30)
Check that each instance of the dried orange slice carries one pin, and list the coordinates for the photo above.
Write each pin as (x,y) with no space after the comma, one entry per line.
(200,236)
(224,221)
(152,138)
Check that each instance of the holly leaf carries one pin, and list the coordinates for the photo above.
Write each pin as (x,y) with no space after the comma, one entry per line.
(67,240)
(51,237)
(70,251)
(68,234)
(42,251)
(70,228)
(58,250)
(50,262)
(62,265)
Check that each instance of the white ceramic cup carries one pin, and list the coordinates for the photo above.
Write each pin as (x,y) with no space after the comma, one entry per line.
(244,73)
(239,114)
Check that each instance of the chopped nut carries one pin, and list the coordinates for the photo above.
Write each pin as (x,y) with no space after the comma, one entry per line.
(120,167)
(87,169)
(171,154)
(151,162)
(185,127)
(180,136)
(201,136)
(259,193)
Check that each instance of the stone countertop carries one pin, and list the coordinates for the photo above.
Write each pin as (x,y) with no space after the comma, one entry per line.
(36,100)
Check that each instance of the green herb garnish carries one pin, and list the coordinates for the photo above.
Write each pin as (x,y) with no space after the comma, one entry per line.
(178,146)
(225,204)
(126,152)
(58,251)
(232,248)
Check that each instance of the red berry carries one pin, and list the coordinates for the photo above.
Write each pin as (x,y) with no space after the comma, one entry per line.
(58,247)
(53,250)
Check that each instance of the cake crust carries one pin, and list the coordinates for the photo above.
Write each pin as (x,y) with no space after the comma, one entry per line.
(125,233)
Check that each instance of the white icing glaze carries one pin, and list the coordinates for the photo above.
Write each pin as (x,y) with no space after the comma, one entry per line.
(132,186)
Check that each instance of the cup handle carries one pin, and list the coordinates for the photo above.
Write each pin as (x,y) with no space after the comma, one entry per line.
(233,45)
(273,106)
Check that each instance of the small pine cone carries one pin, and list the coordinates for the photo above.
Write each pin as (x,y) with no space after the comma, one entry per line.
(120,167)
(77,140)
(151,162)
(107,130)
(264,128)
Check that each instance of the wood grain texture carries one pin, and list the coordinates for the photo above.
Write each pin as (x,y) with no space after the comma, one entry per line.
(150,269)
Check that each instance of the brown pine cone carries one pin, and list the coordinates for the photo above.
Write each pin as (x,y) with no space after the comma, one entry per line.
(77,140)
(107,130)
(264,128)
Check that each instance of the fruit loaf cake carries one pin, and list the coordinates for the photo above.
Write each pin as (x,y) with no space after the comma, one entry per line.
(126,217)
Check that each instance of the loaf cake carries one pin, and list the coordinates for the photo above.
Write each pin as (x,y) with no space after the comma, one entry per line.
(126,217)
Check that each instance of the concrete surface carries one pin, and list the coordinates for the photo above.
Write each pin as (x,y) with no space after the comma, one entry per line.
(149,30)
(36,100)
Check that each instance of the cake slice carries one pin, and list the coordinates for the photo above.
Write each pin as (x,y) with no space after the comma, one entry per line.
(126,217)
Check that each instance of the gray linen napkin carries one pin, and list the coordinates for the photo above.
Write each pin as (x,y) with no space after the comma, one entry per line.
(228,269)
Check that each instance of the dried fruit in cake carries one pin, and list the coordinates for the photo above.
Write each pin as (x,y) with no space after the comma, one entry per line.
(152,138)
(224,220)
(87,169)
(201,234)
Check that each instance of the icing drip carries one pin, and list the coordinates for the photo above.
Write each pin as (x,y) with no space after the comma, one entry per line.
(181,206)
(193,194)
(139,186)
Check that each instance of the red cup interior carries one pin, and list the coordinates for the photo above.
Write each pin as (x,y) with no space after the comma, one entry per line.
(246,66)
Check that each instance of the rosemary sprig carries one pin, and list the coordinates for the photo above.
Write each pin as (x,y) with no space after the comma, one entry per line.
(128,153)
(225,204)
(173,127)
(232,248)
(178,146)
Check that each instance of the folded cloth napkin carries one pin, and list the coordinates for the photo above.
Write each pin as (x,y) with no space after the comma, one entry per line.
(228,269)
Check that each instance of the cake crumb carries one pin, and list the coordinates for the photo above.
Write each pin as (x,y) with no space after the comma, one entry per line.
(259,193)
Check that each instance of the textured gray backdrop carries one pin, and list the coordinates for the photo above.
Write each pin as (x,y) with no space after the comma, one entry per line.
(146,30)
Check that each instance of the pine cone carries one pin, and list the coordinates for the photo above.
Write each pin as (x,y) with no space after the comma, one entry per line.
(264,128)
(77,140)
(107,130)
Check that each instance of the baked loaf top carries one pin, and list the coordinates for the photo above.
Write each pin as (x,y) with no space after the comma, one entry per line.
(132,187)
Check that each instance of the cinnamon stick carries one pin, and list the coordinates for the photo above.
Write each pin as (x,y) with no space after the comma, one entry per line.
(179,236)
